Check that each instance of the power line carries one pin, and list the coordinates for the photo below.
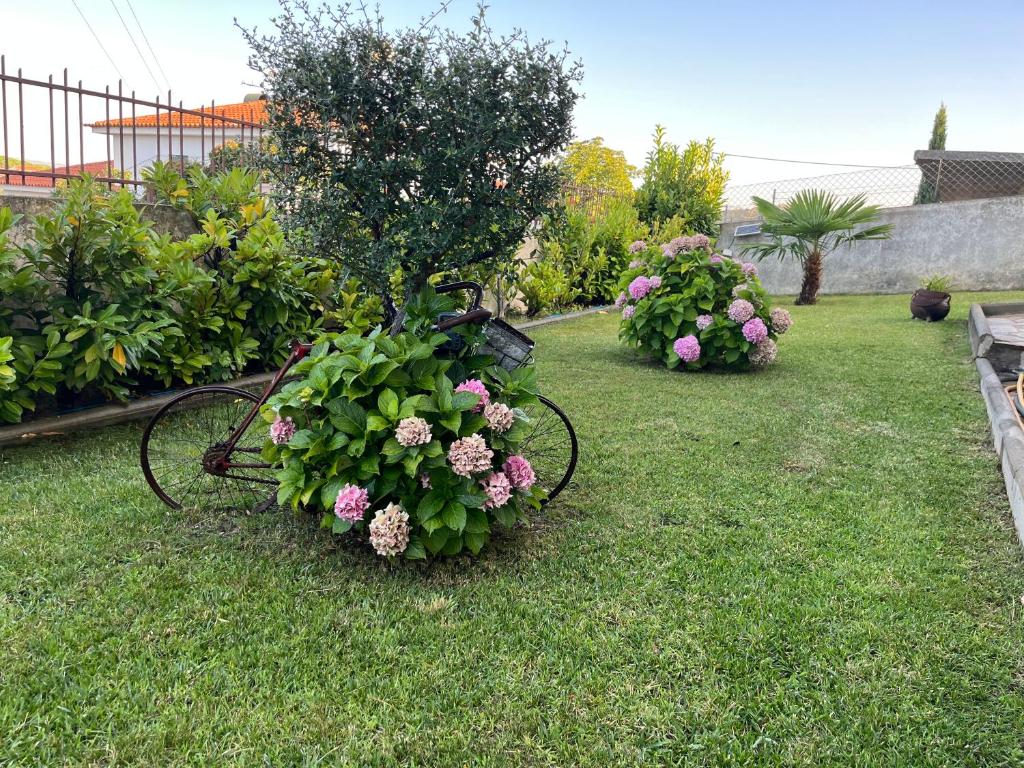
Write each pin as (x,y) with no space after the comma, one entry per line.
(136,45)
(97,38)
(806,162)
(148,45)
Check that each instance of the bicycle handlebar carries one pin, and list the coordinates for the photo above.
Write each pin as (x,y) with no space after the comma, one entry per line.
(478,315)
(465,285)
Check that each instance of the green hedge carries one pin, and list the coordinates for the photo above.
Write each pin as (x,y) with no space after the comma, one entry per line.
(99,306)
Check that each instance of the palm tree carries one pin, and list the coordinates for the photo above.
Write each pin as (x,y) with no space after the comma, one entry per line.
(810,226)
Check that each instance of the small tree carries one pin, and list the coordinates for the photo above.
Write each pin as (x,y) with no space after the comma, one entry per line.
(810,226)
(591,164)
(925,191)
(689,184)
(421,150)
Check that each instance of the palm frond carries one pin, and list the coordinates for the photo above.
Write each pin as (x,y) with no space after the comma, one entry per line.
(815,219)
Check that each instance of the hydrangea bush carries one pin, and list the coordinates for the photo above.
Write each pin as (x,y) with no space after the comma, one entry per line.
(692,308)
(386,436)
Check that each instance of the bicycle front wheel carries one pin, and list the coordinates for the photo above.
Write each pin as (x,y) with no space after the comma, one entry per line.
(550,446)
(182,443)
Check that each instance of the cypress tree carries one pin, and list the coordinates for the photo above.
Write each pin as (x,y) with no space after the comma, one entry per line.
(926,193)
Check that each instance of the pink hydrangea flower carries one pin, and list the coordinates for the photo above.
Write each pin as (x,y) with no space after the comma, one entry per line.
(412,431)
(389,531)
(477,388)
(715,259)
(755,331)
(679,244)
(282,430)
(703,321)
(688,348)
(764,353)
(749,268)
(740,311)
(628,311)
(425,481)
(498,488)
(499,417)
(519,472)
(640,287)
(352,503)
(700,241)
(470,456)
(620,300)
(636,246)
(781,320)
(655,282)
(637,263)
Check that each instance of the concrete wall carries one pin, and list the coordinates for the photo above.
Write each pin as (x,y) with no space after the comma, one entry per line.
(979,243)
(166,220)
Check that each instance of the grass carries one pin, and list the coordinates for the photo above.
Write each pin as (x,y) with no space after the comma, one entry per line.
(813,565)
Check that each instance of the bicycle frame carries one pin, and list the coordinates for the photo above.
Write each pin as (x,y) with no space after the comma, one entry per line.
(224,463)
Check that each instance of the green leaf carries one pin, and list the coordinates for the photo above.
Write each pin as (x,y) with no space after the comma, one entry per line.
(392,447)
(340,526)
(474,541)
(454,516)
(376,422)
(430,505)
(387,401)
(436,540)
(348,416)
(476,521)
(415,550)
(329,492)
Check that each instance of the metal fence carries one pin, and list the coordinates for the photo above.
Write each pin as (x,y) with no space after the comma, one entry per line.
(47,121)
(936,177)
(591,200)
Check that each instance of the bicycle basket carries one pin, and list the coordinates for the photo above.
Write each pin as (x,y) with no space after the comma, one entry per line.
(510,348)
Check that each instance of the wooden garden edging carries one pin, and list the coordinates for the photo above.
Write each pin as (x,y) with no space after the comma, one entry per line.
(144,407)
(990,348)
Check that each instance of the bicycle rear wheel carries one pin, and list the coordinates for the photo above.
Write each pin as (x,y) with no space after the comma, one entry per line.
(183,441)
(550,446)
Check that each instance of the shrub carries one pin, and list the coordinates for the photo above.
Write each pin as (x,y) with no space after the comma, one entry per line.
(384,435)
(692,308)
(98,306)
(687,183)
(419,150)
(582,256)
(543,286)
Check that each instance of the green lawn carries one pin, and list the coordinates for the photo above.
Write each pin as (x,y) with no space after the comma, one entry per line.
(813,565)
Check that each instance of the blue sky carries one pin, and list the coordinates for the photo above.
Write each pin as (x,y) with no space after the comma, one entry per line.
(823,81)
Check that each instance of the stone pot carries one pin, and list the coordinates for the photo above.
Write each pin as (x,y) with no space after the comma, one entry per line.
(929,305)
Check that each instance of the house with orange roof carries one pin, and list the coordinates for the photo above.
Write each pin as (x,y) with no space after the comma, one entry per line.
(187,136)
(15,173)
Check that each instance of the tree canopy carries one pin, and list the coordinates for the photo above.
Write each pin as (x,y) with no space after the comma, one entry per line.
(420,150)
(592,164)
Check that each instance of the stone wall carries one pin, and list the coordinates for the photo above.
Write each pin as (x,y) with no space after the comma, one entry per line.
(979,243)
(166,220)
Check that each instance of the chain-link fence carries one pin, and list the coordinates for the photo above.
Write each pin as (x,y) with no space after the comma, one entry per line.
(937,177)
(887,187)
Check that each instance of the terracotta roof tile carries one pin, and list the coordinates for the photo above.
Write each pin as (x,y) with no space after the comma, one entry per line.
(249,111)
(12,175)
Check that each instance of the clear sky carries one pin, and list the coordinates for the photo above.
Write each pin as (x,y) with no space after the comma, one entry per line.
(822,81)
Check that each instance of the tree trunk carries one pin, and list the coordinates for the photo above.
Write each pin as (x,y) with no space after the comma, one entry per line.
(812,280)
